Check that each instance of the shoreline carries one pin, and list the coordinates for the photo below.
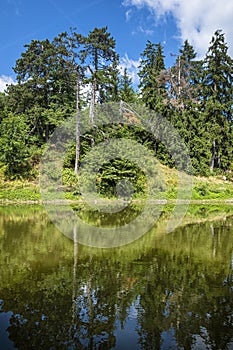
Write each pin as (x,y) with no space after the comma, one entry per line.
(117,202)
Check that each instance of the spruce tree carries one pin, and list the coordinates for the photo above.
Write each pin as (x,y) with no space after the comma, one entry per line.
(110,88)
(217,101)
(182,78)
(152,64)
(126,91)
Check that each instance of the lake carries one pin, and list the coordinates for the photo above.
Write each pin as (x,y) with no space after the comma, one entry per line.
(162,291)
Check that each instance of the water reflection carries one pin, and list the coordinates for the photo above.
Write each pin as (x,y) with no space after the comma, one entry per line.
(163,291)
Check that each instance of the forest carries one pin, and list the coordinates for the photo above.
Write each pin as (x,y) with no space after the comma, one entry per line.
(74,73)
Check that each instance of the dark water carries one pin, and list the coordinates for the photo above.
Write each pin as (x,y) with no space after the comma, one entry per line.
(172,291)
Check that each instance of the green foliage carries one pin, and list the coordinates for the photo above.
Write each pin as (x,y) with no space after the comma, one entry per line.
(70,184)
(20,194)
(19,190)
(101,59)
(15,146)
(217,102)
(212,190)
(122,178)
(126,92)
(53,77)
(152,64)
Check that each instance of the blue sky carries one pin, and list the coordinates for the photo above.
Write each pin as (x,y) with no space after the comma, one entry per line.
(131,23)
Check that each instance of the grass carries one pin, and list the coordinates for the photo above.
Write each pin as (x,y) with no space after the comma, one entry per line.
(212,188)
(204,188)
(19,191)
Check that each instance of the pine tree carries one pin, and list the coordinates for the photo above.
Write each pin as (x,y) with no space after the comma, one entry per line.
(69,47)
(44,85)
(127,93)
(99,56)
(152,64)
(217,101)
(110,88)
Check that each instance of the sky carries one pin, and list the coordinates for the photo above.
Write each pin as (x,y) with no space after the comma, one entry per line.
(130,22)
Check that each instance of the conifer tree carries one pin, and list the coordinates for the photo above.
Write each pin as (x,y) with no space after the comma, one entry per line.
(111,79)
(217,101)
(69,47)
(127,93)
(182,78)
(98,54)
(151,85)
(44,87)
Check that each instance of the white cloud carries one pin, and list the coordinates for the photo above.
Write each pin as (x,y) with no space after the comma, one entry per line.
(4,81)
(145,30)
(196,20)
(132,68)
(128,15)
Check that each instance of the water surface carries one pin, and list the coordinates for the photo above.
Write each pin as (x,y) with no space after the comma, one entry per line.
(172,291)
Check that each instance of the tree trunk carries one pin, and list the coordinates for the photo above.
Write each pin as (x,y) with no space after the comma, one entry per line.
(46,133)
(213,155)
(92,111)
(78,115)
(179,77)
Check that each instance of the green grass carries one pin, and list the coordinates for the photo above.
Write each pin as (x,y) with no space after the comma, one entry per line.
(13,193)
(204,188)
(211,188)
(18,190)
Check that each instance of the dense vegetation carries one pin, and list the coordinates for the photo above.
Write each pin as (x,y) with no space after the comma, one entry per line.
(71,73)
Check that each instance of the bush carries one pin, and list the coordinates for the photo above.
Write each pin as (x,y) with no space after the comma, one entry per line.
(69,178)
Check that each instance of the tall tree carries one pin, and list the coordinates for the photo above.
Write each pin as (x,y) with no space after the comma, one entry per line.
(182,78)
(184,95)
(110,92)
(152,63)
(69,47)
(217,100)
(99,55)
(44,84)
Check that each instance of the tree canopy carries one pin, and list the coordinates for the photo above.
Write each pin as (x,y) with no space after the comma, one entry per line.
(57,78)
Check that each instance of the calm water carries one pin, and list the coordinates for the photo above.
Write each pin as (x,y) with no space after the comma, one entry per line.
(172,291)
